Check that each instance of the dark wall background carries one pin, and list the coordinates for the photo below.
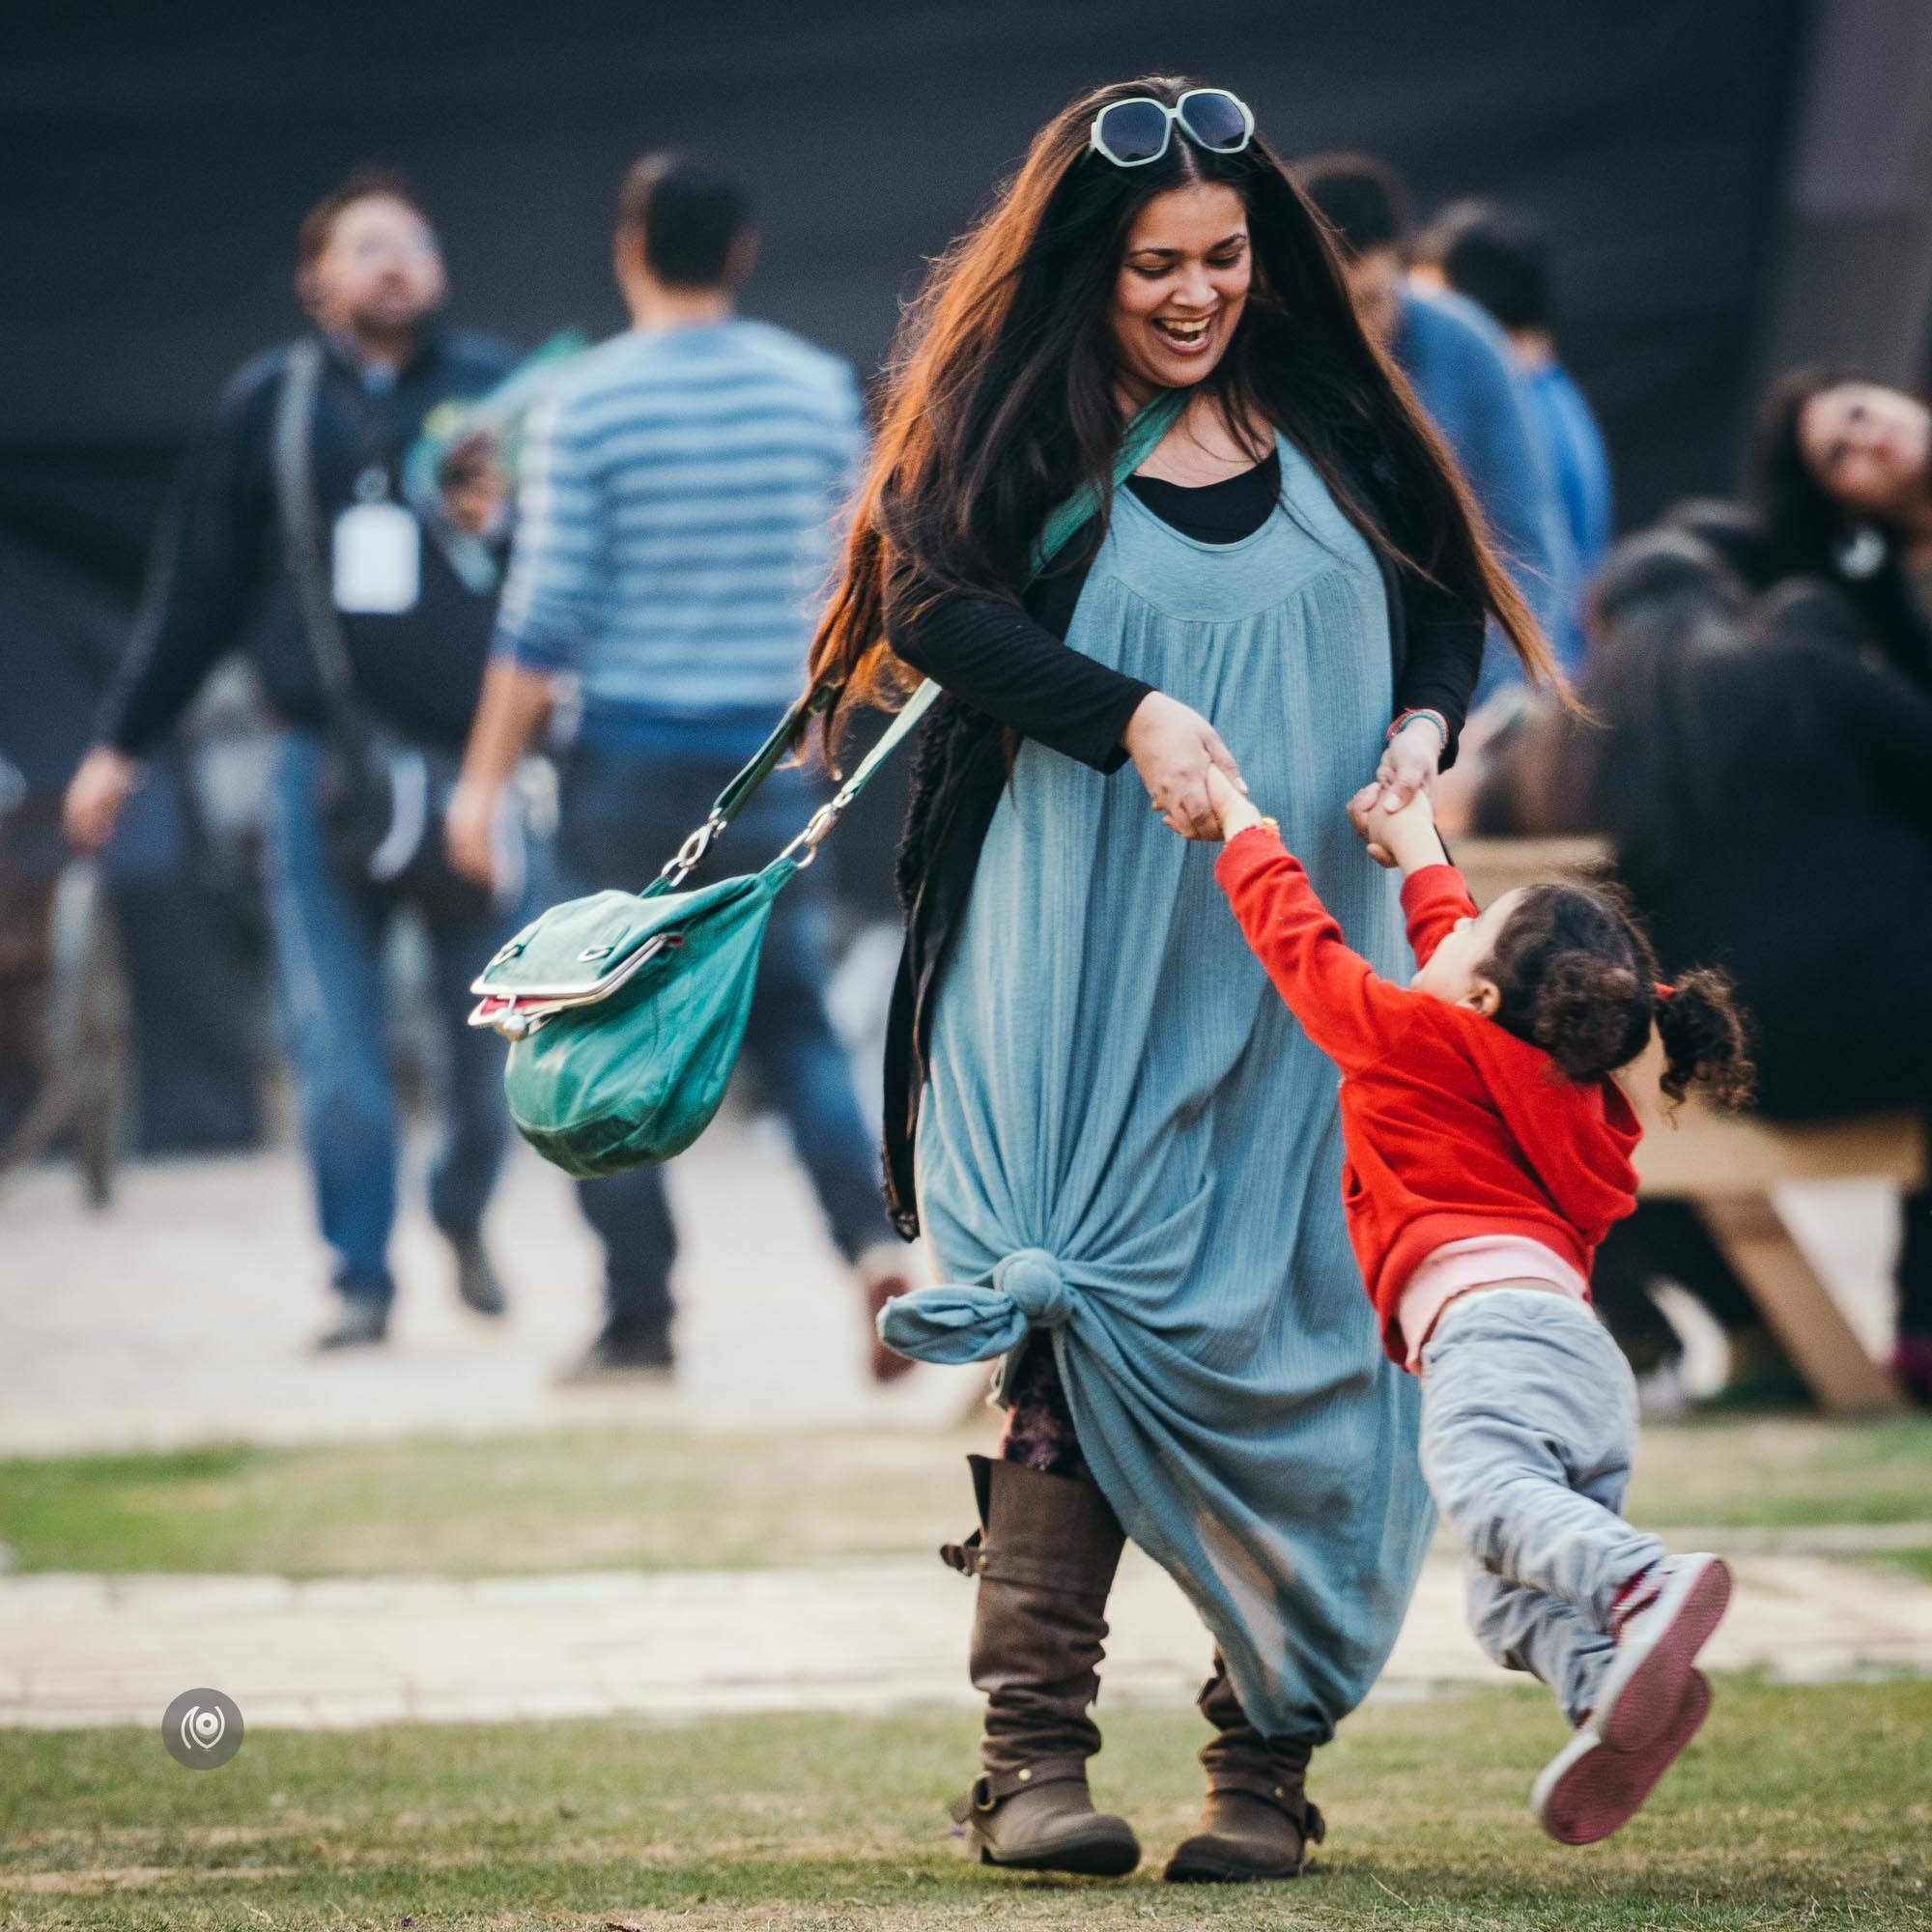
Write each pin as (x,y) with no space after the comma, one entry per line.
(154,163)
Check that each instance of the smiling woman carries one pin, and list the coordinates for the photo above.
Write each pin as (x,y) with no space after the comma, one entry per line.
(1843,475)
(1183,286)
(1869,446)
(1126,1155)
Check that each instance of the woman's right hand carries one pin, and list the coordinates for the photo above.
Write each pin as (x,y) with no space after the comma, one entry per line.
(1173,747)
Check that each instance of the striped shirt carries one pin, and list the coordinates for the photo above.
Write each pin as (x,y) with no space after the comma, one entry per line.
(679,497)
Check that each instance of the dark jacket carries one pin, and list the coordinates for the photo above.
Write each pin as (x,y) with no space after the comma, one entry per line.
(1006,671)
(1767,803)
(218,581)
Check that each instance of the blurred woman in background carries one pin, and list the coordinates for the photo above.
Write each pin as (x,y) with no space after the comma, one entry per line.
(1844,476)
(1751,762)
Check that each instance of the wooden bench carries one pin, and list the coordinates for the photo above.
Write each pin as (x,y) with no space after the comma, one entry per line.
(1728,1166)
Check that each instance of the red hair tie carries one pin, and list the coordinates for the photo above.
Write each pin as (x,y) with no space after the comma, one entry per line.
(1664,992)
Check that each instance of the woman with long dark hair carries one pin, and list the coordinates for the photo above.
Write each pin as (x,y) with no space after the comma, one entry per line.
(1842,474)
(1751,753)
(1086,1097)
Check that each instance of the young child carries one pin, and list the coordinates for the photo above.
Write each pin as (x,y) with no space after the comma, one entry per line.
(1487,1152)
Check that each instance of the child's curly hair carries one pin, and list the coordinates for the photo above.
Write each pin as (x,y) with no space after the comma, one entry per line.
(1578,979)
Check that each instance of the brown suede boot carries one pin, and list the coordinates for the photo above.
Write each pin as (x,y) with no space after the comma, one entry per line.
(1044,1555)
(1257,1822)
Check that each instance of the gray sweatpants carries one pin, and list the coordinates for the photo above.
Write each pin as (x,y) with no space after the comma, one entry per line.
(1528,1428)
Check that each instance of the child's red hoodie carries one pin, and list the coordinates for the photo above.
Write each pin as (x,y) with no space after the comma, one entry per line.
(1451,1126)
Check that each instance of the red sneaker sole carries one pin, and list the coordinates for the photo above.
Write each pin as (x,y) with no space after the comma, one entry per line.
(1604,1789)
(1646,1705)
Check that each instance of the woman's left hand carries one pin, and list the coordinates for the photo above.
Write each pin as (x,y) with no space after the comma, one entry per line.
(1410,761)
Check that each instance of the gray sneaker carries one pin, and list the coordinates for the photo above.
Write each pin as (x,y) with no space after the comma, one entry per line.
(640,1356)
(361,1325)
(478,1284)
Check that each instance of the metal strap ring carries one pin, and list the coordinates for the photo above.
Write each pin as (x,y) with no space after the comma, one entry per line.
(816,827)
(694,848)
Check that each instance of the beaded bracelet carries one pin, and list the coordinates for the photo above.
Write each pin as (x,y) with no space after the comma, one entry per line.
(1435,718)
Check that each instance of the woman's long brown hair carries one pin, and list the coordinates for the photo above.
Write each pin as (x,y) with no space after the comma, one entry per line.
(1001,398)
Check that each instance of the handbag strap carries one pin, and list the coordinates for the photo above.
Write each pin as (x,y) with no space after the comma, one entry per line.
(1138,441)
(302,523)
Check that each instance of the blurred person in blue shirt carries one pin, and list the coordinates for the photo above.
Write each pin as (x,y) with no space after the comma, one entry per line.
(680,493)
(1460,364)
(1500,258)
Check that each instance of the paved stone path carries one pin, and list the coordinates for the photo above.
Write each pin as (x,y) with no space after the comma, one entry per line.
(183,1314)
(87,1651)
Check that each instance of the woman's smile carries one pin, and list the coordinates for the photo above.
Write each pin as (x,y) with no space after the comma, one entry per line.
(1186,335)
(1182,283)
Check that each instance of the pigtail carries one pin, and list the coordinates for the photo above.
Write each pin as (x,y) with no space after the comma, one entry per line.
(1574,975)
(1704,1038)
(1584,1015)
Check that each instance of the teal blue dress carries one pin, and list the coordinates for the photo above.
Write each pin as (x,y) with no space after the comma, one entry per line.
(1129,1143)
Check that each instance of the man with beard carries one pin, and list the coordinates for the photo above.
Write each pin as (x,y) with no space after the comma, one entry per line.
(290,534)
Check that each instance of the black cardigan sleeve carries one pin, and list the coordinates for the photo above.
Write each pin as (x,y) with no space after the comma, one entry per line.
(1005,663)
(1443,658)
(1440,645)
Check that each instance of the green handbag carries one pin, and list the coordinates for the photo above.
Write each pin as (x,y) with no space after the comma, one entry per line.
(625,1011)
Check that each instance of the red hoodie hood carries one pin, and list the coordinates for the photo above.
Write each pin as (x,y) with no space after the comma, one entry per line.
(1577,1141)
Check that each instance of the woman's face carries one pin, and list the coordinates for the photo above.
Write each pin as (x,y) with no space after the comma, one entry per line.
(1182,284)
(1867,446)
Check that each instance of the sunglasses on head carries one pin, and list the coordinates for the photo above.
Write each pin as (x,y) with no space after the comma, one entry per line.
(1130,134)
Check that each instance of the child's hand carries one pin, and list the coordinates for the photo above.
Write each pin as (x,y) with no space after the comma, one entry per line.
(1405,837)
(1234,809)
(1360,806)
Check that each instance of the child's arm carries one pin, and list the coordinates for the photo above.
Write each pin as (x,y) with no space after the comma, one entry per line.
(1345,1006)
(1434,895)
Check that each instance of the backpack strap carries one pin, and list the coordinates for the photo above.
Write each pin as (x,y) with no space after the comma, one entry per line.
(300,522)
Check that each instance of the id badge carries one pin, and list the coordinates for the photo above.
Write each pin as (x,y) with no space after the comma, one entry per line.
(378,560)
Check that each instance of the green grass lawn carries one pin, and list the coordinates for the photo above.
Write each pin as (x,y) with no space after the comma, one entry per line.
(1802,1807)
(657,1498)
(572,1500)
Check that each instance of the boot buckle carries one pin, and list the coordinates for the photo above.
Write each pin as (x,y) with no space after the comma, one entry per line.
(964,1558)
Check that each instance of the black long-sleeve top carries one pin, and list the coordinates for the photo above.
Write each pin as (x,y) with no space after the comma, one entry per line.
(1007,669)
(218,581)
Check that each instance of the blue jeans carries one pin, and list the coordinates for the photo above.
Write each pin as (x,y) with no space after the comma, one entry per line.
(624,812)
(327,937)
(1528,1428)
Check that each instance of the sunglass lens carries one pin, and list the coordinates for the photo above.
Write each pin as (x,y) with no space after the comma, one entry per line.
(1133,130)
(1215,121)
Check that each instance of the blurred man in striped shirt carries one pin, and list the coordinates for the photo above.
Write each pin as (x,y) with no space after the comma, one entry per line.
(679,500)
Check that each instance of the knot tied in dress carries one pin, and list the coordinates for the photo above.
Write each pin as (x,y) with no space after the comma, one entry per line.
(1040,1291)
(1029,1290)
